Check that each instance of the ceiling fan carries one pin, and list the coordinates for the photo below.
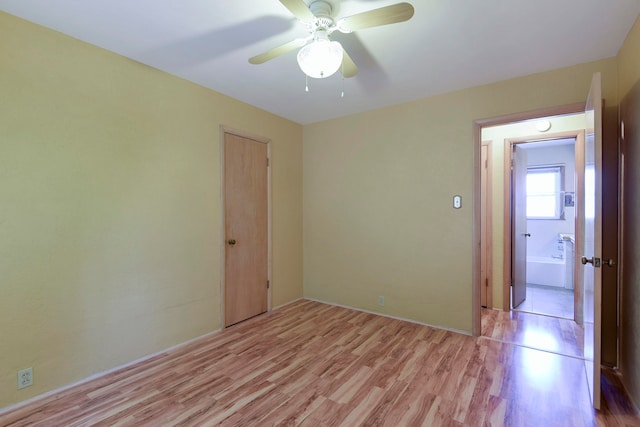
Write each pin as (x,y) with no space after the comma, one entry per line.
(322,57)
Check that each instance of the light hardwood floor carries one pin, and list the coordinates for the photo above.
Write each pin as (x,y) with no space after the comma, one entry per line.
(546,333)
(314,364)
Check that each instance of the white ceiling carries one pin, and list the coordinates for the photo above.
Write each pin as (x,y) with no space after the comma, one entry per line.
(447,45)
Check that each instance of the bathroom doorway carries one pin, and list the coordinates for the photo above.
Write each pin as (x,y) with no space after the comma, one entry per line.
(548,196)
(564,133)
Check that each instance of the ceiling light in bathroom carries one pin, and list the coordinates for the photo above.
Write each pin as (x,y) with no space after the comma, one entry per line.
(543,125)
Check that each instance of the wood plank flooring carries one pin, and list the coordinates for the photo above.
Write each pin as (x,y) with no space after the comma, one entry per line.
(546,333)
(313,364)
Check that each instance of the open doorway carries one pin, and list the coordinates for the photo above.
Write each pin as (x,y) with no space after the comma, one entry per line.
(525,226)
(589,226)
(541,250)
(547,171)
(566,122)
(523,131)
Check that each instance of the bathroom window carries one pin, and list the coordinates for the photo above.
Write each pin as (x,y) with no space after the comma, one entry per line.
(544,192)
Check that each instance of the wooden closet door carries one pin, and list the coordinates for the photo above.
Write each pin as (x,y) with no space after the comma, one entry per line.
(246,228)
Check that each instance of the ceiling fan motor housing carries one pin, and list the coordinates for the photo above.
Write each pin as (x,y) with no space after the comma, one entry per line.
(322,11)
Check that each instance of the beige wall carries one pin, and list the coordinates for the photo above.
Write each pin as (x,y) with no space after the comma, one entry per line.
(110,215)
(629,76)
(378,188)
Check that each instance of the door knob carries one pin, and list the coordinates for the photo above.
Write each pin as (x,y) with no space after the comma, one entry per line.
(231,242)
(594,261)
(609,262)
(527,234)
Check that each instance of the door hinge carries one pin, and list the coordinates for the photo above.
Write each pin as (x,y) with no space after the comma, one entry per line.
(486,164)
(267,284)
(486,282)
(267,162)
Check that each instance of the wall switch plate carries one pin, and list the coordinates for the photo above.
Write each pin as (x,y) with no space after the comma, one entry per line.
(25,378)
(457,202)
(381,301)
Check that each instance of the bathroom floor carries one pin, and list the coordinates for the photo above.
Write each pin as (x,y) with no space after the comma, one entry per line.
(548,300)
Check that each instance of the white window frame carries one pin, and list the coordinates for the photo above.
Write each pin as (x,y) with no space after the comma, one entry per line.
(558,191)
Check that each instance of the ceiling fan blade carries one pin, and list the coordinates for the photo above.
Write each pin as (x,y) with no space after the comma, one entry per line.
(348,68)
(399,12)
(277,51)
(299,9)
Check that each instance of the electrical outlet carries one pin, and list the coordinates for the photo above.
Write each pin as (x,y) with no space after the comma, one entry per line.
(381,301)
(25,378)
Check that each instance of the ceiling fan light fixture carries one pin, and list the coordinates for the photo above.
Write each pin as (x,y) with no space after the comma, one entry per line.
(320,59)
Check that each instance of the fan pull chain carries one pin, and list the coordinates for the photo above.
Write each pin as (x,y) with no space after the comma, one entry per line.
(306,83)
(342,72)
